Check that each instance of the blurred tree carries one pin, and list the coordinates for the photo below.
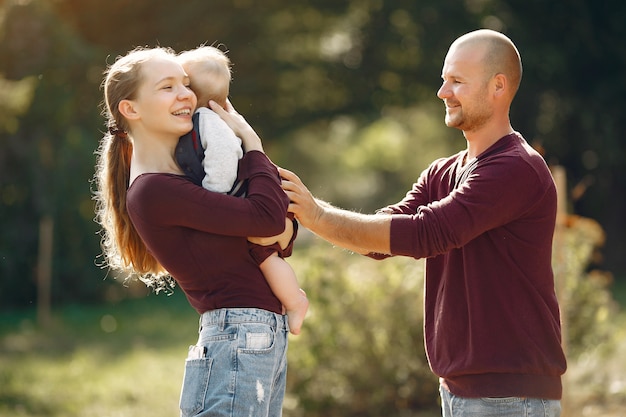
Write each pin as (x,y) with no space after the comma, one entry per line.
(573,79)
(48,159)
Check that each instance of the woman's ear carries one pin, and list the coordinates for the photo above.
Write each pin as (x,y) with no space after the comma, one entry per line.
(127,109)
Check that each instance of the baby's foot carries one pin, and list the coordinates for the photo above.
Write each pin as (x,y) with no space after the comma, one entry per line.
(295,315)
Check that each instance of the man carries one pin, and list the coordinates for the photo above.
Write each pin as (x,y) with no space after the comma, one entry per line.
(484,219)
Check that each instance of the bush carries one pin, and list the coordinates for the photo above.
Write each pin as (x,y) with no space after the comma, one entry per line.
(587,306)
(361,350)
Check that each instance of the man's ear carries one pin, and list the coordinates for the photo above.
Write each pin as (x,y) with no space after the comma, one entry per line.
(500,83)
(127,108)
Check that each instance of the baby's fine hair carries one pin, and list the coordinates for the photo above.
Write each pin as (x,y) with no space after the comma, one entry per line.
(214,61)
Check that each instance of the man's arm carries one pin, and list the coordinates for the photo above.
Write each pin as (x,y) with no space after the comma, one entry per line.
(361,233)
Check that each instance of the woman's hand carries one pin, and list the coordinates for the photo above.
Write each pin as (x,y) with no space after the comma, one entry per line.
(249,139)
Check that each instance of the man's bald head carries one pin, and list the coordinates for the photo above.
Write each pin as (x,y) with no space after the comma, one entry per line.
(500,55)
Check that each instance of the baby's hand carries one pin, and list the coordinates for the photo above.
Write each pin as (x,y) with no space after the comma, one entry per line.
(263,241)
(282,239)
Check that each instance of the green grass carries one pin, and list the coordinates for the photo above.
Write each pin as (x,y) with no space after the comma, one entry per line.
(127,359)
(116,360)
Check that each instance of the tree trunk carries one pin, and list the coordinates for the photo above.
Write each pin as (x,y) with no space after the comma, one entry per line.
(44,270)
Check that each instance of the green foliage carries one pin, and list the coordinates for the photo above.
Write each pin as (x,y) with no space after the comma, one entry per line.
(15,99)
(368,165)
(593,323)
(361,350)
(586,302)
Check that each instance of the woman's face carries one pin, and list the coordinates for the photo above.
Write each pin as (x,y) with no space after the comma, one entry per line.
(164,103)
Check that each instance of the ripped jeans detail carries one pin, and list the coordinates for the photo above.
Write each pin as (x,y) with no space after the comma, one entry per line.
(238,367)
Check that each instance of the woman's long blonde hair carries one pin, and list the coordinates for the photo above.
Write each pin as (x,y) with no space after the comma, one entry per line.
(122,246)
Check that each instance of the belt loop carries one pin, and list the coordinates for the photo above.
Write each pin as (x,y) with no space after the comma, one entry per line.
(222,320)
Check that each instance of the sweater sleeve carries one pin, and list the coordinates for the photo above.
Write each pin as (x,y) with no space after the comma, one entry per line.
(261,213)
(416,197)
(496,192)
(222,152)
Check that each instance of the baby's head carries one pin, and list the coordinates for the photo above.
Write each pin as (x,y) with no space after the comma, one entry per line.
(209,71)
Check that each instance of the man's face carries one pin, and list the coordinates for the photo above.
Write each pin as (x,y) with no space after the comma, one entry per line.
(465,88)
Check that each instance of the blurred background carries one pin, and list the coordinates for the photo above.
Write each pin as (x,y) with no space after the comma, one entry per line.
(343,93)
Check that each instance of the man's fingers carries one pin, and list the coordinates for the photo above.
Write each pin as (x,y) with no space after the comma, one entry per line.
(291,183)
(288,175)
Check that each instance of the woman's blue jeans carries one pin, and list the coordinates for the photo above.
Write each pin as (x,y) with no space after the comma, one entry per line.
(239,366)
(454,406)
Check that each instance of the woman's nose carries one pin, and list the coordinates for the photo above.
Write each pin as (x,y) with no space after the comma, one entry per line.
(186,94)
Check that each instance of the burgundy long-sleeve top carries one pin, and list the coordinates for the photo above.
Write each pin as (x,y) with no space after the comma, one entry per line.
(492,324)
(200,237)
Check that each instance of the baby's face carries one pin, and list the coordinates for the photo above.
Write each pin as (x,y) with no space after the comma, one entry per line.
(207,85)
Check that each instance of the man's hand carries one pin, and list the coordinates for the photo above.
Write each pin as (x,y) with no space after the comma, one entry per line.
(302,204)
(360,233)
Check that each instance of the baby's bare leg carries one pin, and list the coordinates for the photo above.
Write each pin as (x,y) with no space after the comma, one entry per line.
(283,282)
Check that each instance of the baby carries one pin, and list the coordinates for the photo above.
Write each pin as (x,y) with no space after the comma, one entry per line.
(210,155)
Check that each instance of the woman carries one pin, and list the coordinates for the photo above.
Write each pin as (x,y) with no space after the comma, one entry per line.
(156,225)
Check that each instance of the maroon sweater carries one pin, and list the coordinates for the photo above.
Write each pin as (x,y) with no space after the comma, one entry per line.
(200,237)
(491,325)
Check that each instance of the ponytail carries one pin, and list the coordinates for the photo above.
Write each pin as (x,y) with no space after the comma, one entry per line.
(122,247)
